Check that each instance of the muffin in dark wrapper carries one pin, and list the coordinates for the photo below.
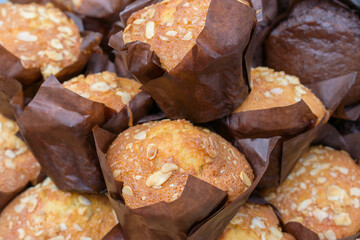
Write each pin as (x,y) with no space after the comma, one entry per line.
(319,40)
(45,42)
(322,192)
(18,167)
(276,106)
(45,212)
(253,222)
(204,80)
(98,9)
(57,125)
(201,204)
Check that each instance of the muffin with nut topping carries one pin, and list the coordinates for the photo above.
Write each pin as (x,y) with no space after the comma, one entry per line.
(44,212)
(41,36)
(170,27)
(106,88)
(322,193)
(153,160)
(17,165)
(270,89)
(254,222)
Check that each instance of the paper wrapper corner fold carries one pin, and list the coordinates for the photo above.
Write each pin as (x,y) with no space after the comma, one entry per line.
(295,124)
(57,127)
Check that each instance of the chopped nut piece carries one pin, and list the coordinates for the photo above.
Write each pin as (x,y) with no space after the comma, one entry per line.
(150,30)
(171,33)
(151,151)
(26,37)
(168,167)
(157,179)
(187,36)
(245,179)
(342,219)
(140,136)
(84,201)
(100,86)
(128,191)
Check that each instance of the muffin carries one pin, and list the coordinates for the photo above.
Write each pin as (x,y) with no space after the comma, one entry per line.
(44,212)
(17,165)
(170,27)
(105,87)
(322,193)
(153,160)
(318,41)
(272,89)
(41,36)
(254,222)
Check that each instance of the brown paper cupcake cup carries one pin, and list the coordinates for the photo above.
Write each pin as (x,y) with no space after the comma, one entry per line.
(295,124)
(210,82)
(57,127)
(12,67)
(11,100)
(199,213)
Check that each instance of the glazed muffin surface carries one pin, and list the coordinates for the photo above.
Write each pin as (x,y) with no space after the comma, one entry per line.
(17,165)
(170,27)
(276,89)
(105,87)
(44,212)
(42,36)
(153,161)
(322,192)
(254,222)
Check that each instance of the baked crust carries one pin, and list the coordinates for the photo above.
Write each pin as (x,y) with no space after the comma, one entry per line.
(42,36)
(44,212)
(322,193)
(17,165)
(171,27)
(105,87)
(272,89)
(154,159)
(254,222)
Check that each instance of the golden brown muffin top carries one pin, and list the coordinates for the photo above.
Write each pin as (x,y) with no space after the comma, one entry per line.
(322,192)
(254,222)
(42,36)
(170,27)
(105,87)
(154,160)
(17,165)
(276,89)
(44,212)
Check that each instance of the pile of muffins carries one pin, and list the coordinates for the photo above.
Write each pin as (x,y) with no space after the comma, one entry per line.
(180,119)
